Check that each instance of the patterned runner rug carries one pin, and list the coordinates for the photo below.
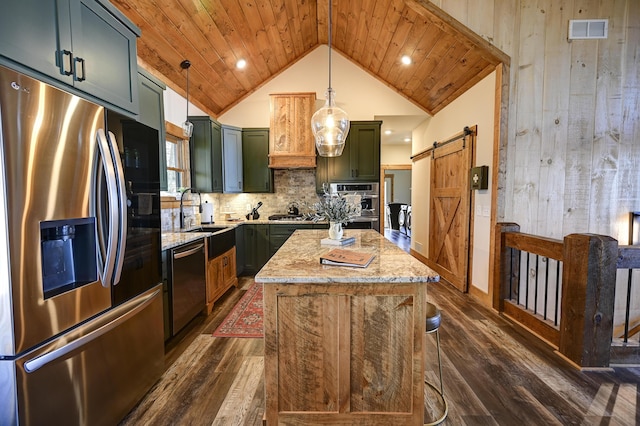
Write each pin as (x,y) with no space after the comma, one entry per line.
(245,319)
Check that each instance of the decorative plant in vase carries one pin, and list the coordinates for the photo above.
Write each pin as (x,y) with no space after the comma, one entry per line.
(337,209)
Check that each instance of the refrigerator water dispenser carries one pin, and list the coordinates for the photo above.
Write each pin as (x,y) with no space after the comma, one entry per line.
(68,254)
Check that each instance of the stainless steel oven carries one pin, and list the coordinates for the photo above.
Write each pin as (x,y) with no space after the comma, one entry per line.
(369,193)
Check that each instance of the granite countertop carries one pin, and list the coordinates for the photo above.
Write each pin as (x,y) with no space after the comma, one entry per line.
(298,261)
(171,239)
(175,239)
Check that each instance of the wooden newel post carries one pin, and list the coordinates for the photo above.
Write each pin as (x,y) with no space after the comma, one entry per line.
(503,270)
(588,289)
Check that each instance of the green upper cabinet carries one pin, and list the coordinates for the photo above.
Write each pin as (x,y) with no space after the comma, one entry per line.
(151,91)
(321,173)
(84,46)
(360,160)
(206,154)
(257,176)
(232,159)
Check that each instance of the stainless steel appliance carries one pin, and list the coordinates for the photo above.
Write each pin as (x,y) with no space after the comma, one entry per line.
(188,283)
(68,353)
(369,193)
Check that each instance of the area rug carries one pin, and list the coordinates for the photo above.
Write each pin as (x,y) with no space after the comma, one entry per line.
(246,318)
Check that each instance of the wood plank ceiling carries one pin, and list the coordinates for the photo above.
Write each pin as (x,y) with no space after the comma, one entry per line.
(271,35)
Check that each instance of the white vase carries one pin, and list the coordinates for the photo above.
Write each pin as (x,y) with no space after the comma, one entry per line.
(335,230)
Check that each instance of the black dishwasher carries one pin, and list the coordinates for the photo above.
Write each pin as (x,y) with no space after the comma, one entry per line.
(187,283)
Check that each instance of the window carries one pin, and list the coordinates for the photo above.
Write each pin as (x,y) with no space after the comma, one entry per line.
(177,150)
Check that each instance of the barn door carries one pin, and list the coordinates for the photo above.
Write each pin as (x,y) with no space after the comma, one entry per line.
(449,216)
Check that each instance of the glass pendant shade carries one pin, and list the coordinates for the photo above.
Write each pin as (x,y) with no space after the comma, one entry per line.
(330,126)
(187,129)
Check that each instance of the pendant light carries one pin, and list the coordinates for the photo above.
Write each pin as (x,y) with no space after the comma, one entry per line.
(187,126)
(330,124)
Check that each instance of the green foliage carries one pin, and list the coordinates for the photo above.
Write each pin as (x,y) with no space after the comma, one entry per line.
(334,208)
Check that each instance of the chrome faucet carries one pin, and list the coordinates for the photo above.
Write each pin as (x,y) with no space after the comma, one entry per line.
(193,191)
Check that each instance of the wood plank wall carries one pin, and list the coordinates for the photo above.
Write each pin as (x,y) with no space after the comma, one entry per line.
(573,145)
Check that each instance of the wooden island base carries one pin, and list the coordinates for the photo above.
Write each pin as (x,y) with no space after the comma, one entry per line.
(339,350)
(344,354)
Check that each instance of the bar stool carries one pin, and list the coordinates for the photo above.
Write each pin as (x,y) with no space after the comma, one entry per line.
(433,320)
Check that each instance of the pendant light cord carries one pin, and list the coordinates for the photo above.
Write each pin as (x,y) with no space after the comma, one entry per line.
(186,64)
(330,1)
(187,94)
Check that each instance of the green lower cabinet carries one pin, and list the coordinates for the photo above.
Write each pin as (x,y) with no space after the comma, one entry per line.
(257,176)
(278,234)
(256,243)
(240,250)
(256,247)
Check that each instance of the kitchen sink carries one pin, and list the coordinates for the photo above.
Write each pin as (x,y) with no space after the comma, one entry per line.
(223,238)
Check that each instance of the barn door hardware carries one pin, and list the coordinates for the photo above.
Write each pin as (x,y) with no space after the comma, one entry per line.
(431,150)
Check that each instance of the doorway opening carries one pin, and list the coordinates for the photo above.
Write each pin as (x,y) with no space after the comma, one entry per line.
(395,202)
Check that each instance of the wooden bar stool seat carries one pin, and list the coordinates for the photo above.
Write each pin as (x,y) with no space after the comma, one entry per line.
(432,325)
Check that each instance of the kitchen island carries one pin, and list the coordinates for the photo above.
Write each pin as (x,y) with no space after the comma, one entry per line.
(344,345)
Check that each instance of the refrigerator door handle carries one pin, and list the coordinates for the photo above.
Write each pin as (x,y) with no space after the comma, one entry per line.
(112,193)
(44,359)
(122,205)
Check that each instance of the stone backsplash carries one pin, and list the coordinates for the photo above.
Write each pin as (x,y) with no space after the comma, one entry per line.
(290,186)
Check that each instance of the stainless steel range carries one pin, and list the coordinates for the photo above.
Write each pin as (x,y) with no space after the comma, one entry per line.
(369,193)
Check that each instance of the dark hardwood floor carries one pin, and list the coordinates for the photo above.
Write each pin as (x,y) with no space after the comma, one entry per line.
(494,374)
(399,238)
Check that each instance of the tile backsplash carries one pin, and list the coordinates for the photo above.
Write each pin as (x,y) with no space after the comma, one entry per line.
(294,185)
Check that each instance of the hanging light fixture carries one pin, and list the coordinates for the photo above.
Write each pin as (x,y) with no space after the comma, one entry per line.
(330,123)
(187,126)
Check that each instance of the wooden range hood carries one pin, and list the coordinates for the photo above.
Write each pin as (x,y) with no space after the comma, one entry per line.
(291,143)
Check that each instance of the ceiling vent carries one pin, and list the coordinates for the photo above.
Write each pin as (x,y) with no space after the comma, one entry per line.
(588,29)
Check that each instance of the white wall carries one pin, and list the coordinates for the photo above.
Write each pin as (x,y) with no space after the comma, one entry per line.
(175,107)
(475,107)
(357,92)
(401,186)
(395,154)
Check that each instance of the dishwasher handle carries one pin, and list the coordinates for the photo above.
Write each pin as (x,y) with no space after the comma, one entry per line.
(181,254)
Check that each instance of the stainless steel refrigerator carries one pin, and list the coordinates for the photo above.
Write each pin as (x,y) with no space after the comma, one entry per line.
(81,329)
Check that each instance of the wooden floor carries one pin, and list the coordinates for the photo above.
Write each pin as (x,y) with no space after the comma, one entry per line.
(399,238)
(494,374)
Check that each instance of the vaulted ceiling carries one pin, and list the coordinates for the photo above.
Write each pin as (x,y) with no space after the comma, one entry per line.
(271,35)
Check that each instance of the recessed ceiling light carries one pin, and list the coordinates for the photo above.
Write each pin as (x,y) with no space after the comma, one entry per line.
(241,64)
(387,132)
(406,60)
(407,139)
